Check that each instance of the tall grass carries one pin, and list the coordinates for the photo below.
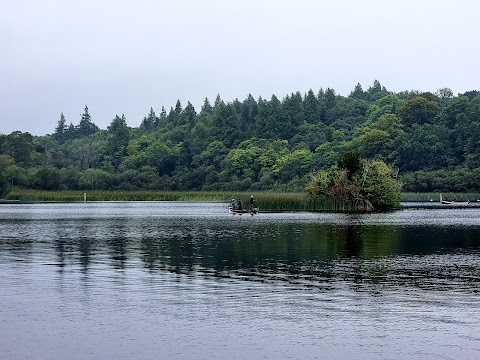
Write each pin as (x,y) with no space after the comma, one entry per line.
(265,201)
(103,195)
(277,202)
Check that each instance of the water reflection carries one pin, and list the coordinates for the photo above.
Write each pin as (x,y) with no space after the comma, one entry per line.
(281,249)
(172,279)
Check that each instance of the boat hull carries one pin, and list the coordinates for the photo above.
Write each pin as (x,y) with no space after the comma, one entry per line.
(444,202)
(243,211)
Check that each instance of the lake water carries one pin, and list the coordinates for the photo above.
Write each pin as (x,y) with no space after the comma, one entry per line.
(132,280)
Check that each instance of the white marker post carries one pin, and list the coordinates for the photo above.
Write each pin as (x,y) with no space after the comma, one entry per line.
(85,198)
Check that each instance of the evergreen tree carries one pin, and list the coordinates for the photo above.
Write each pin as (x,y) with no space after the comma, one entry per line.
(173,117)
(328,103)
(86,126)
(70,132)
(292,116)
(321,94)
(249,110)
(117,142)
(189,114)
(268,121)
(311,108)
(376,91)
(178,107)
(161,121)
(149,122)
(206,107)
(358,92)
(321,105)
(225,125)
(218,101)
(61,127)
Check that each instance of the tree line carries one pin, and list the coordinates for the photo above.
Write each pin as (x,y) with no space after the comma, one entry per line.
(432,140)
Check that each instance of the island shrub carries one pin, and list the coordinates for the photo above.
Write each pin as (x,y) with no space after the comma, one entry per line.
(364,185)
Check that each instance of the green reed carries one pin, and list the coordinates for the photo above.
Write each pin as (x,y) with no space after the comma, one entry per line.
(27,195)
(265,201)
(278,202)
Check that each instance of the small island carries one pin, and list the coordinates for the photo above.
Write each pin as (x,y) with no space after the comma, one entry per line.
(365,185)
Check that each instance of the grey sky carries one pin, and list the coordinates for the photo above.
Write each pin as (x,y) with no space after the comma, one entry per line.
(127,56)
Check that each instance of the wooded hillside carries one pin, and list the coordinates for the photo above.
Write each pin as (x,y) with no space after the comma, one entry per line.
(431,139)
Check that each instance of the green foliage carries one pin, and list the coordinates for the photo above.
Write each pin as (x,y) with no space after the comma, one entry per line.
(351,163)
(6,163)
(457,179)
(365,185)
(94,179)
(418,110)
(46,177)
(387,104)
(431,139)
(295,164)
(379,186)
(117,142)
(20,147)
(379,138)
(86,127)
(423,147)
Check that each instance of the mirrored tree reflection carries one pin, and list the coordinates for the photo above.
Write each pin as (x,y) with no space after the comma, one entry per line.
(293,252)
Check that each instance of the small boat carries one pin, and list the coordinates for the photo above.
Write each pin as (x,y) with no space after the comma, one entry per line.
(446,202)
(243,211)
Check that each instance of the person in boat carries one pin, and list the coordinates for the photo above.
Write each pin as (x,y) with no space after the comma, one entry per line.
(239,205)
(252,203)
(233,205)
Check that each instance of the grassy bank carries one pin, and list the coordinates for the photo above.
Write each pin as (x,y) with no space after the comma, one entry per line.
(27,195)
(266,201)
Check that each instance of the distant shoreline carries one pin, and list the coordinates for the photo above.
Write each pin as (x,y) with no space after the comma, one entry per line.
(266,201)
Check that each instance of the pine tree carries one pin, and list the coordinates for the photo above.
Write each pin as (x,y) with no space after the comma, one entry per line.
(311,107)
(189,114)
(358,92)
(161,121)
(218,101)
(178,107)
(149,122)
(86,126)
(61,127)
(206,107)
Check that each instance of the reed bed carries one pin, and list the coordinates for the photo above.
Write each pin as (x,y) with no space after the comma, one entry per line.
(101,195)
(282,202)
(265,201)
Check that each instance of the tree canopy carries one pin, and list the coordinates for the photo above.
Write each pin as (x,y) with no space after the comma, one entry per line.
(367,185)
(430,139)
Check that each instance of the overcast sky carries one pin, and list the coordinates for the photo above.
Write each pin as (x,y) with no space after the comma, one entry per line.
(127,56)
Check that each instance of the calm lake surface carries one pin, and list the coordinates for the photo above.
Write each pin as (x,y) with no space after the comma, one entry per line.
(152,280)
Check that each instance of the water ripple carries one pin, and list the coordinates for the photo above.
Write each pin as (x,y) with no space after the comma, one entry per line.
(150,280)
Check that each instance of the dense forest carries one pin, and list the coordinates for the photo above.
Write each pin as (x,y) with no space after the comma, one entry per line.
(432,140)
